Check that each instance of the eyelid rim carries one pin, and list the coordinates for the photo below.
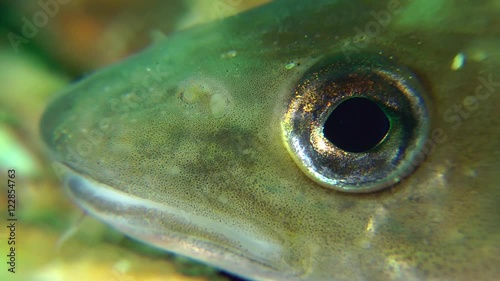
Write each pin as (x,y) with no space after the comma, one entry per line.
(305,139)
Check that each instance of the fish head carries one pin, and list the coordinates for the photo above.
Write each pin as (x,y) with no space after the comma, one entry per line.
(212,144)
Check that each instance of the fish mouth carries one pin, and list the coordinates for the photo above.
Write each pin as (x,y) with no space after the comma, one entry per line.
(177,231)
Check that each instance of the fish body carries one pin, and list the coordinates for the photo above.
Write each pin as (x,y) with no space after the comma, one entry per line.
(182,145)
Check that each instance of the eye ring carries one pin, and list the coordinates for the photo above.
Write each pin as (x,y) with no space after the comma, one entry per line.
(330,83)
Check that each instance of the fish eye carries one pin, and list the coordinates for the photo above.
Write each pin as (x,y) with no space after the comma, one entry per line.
(356,124)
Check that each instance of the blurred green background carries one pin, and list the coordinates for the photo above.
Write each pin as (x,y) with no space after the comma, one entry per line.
(44,45)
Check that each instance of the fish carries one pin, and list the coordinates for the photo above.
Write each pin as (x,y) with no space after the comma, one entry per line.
(235,143)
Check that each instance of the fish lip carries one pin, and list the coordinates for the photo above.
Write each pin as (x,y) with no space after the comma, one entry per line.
(116,208)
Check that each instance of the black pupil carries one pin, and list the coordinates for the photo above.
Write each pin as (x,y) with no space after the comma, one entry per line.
(356,125)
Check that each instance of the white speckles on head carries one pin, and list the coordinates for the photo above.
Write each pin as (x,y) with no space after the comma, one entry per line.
(229,54)
(206,97)
(218,105)
(290,65)
(458,61)
(223,199)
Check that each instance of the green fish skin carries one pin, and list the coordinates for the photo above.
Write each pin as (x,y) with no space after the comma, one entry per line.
(182,146)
